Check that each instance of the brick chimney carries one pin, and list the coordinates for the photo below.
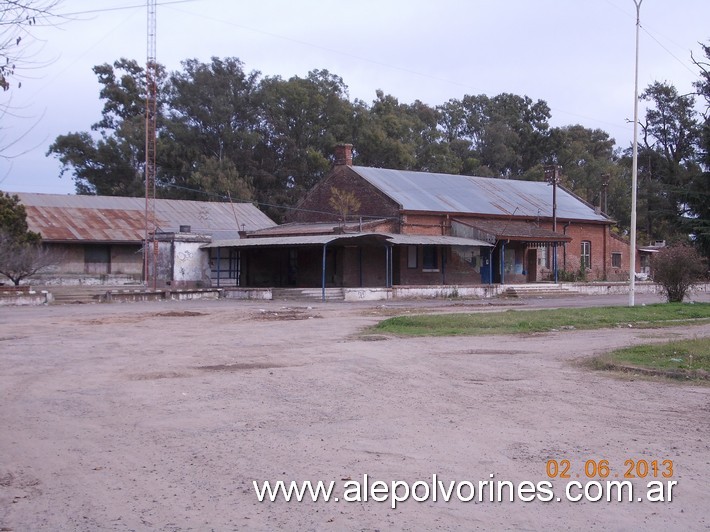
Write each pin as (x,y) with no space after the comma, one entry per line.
(344,155)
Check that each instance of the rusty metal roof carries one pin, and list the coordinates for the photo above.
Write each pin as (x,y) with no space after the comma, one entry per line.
(67,218)
(432,192)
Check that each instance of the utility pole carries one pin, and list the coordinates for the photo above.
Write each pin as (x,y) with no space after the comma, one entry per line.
(604,203)
(634,166)
(552,176)
(151,111)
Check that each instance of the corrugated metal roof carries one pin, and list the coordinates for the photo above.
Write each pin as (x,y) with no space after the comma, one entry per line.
(314,228)
(310,240)
(120,219)
(432,192)
(297,229)
(315,240)
(429,240)
(515,230)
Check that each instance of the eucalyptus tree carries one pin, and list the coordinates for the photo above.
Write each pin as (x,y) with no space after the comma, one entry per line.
(110,160)
(587,158)
(502,136)
(301,121)
(210,133)
(699,189)
(668,160)
(391,134)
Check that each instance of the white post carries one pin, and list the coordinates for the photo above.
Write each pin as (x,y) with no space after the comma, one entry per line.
(634,166)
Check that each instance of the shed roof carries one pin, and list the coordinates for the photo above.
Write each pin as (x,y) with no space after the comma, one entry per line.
(315,240)
(433,192)
(67,218)
(314,228)
(517,230)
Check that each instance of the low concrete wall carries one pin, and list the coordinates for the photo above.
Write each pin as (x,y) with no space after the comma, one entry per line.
(601,288)
(247,293)
(118,296)
(421,292)
(25,298)
(447,291)
(83,280)
(367,294)
(488,291)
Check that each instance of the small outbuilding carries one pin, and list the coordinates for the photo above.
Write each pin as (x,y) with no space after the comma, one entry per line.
(100,238)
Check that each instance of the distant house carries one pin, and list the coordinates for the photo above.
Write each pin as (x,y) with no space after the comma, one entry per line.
(422,228)
(644,257)
(101,237)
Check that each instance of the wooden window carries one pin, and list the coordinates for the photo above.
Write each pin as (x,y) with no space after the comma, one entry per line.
(430,259)
(585,257)
(542,256)
(411,256)
(616,260)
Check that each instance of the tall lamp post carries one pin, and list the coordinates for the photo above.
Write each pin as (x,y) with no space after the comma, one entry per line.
(634,166)
(552,176)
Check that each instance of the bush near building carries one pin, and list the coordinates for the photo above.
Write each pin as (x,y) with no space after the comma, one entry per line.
(677,269)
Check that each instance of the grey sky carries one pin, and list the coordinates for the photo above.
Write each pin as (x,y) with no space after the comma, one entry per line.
(577,55)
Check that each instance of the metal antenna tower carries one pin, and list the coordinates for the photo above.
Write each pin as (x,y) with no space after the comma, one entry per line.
(151,111)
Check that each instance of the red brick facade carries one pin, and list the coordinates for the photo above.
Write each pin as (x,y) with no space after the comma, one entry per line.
(606,256)
(373,203)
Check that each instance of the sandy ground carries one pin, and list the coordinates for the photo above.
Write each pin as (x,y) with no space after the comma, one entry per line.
(159,416)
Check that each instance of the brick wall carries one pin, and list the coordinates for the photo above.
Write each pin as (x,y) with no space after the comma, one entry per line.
(373,203)
(603,245)
(426,224)
(366,264)
(316,207)
(455,266)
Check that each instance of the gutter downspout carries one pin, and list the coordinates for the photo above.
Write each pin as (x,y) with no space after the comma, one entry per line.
(388,265)
(323,275)
(564,249)
(360,263)
(219,264)
(443,265)
(490,266)
(606,253)
(502,263)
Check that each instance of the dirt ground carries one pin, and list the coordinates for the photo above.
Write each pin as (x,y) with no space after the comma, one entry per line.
(159,416)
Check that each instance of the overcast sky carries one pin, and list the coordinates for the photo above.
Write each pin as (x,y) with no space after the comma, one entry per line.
(577,55)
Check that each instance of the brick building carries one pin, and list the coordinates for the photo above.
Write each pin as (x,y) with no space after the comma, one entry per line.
(365,226)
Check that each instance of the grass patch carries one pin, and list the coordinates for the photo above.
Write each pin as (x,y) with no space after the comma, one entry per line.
(683,359)
(531,321)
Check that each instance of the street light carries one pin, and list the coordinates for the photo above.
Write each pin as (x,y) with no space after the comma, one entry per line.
(634,166)
(552,176)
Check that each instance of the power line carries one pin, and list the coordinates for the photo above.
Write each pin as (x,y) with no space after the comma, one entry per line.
(683,63)
(120,8)
(264,204)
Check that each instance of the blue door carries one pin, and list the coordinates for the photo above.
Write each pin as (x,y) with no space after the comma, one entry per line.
(486,269)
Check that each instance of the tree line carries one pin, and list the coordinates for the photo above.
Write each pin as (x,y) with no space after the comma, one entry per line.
(224,132)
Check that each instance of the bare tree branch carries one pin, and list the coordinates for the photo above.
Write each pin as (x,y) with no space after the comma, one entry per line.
(17,20)
(19,260)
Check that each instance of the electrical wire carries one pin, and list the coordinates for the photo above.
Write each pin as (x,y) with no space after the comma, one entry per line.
(120,8)
(264,204)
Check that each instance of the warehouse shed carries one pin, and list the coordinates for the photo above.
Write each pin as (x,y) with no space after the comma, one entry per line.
(101,237)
